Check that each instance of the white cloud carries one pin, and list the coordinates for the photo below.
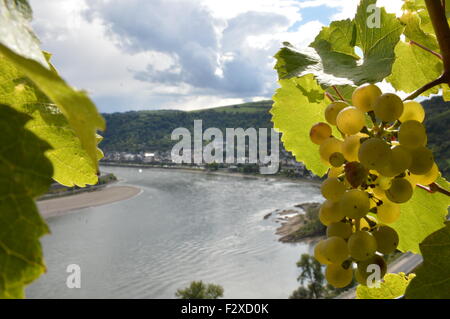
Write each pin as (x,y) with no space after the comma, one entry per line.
(138,54)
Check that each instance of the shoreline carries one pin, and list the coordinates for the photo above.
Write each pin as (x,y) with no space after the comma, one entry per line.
(65,205)
(219,173)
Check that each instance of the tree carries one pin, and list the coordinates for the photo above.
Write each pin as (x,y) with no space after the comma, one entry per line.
(311,273)
(200,290)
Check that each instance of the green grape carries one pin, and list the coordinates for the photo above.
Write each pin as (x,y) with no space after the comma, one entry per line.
(400,159)
(337,159)
(412,134)
(364,97)
(388,212)
(387,171)
(320,132)
(350,120)
(374,153)
(329,146)
(384,182)
(335,250)
(413,111)
(422,161)
(354,203)
(332,189)
(428,178)
(362,245)
(387,239)
(359,278)
(337,276)
(332,111)
(318,253)
(364,271)
(388,107)
(335,172)
(355,174)
(330,213)
(400,191)
(399,162)
(340,229)
(350,147)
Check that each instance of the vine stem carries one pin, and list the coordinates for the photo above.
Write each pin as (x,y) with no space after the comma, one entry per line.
(441,28)
(426,49)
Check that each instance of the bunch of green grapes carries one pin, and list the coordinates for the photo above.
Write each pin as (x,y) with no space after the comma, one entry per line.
(375,163)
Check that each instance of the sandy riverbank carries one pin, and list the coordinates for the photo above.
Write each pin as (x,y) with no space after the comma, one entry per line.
(64,205)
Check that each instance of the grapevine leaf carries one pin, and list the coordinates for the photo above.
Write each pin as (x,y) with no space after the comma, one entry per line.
(15,31)
(433,276)
(72,165)
(422,215)
(298,105)
(25,173)
(332,58)
(392,286)
(412,59)
(78,109)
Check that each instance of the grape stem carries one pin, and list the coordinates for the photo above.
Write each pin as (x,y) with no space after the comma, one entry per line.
(338,93)
(328,95)
(434,188)
(436,10)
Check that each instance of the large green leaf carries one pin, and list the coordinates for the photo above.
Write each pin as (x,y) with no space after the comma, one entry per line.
(298,105)
(78,109)
(15,31)
(25,173)
(392,286)
(72,165)
(332,58)
(415,67)
(19,45)
(433,276)
(422,215)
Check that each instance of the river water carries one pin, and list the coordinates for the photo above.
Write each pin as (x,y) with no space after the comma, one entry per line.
(183,226)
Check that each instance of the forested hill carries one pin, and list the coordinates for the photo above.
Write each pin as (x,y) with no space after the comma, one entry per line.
(438,128)
(151,130)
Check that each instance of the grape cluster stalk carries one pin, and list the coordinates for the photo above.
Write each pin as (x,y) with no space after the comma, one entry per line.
(375,163)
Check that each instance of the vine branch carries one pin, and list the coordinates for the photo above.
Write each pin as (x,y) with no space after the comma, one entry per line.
(441,80)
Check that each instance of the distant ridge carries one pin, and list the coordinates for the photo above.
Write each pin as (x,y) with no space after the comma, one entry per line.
(138,131)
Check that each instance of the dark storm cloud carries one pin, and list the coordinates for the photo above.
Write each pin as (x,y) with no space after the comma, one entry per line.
(189,33)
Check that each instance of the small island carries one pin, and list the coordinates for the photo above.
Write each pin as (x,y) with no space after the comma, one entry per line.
(298,223)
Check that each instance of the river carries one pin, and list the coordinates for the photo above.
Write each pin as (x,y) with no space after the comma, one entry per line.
(184,226)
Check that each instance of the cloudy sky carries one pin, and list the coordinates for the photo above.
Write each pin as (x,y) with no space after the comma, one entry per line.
(178,54)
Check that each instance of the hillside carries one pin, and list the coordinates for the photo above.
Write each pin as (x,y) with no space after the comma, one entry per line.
(151,130)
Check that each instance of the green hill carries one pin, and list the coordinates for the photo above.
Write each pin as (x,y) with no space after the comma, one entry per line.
(438,128)
(151,130)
